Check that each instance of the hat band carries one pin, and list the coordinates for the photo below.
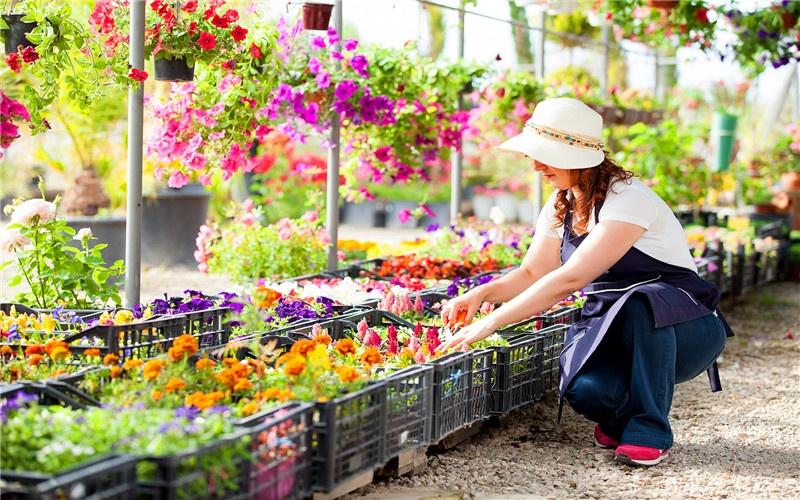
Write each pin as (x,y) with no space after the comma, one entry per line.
(567,137)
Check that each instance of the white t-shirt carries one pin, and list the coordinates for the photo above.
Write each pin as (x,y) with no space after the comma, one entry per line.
(635,203)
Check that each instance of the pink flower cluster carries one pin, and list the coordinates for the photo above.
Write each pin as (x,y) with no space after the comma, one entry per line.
(203,252)
(401,303)
(10,110)
(794,132)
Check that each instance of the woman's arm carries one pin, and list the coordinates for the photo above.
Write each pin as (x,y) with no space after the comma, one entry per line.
(542,257)
(604,246)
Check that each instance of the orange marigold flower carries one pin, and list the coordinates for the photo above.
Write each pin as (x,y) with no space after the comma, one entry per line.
(34,349)
(35,359)
(152,369)
(258,366)
(323,338)
(230,362)
(271,393)
(175,384)
(51,345)
(249,409)
(345,347)
(242,385)
(132,364)
(294,367)
(156,395)
(371,356)
(302,347)
(60,353)
(186,343)
(110,359)
(6,350)
(289,356)
(227,377)
(92,353)
(204,363)
(347,374)
(264,297)
(286,395)
(116,371)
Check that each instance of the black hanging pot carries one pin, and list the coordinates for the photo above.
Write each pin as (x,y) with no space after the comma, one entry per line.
(16,33)
(316,16)
(173,70)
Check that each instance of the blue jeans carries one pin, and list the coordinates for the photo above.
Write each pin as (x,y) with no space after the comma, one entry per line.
(626,386)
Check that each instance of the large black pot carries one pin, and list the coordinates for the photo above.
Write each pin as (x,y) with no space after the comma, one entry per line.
(364,214)
(173,70)
(170,222)
(108,230)
(15,34)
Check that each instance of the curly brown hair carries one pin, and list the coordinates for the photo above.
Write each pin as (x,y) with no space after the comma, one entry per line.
(594,183)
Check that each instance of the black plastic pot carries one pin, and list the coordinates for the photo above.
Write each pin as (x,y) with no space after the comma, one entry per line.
(170,222)
(316,16)
(364,214)
(16,33)
(173,70)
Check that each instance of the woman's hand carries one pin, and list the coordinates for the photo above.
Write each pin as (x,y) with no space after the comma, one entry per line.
(461,310)
(468,335)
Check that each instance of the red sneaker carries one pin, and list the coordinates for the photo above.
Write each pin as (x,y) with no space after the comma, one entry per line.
(632,454)
(603,441)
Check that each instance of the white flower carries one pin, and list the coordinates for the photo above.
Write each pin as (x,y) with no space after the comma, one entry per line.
(496,215)
(83,234)
(12,239)
(27,210)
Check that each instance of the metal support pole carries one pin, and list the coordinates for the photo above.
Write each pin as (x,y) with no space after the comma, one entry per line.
(133,226)
(332,207)
(606,59)
(658,77)
(458,155)
(542,40)
(795,96)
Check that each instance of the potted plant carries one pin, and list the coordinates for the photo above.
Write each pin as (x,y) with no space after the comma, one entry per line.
(316,15)
(14,31)
(729,102)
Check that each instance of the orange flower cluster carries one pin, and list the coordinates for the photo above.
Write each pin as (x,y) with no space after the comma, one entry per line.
(204,364)
(58,350)
(132,364)
(234,375)
(92,353)
(371,357)
(273,393)
(110,359)
(347,374)
(152,369)
(175,384)
(183,346)
(204,400)
(265,297)
(345,347)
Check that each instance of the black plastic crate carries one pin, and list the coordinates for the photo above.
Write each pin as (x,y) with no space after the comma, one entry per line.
(49,393)
(348,436)
(111,477)
(483,377)
(563,316)
(452,396)
(409,404)
(208,326)
(518,377)
(552,339)
(304,327)
(281,450)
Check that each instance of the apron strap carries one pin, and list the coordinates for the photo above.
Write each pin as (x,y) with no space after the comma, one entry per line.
(713,377)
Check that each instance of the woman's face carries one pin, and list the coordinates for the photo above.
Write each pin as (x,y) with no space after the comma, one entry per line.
(559,178)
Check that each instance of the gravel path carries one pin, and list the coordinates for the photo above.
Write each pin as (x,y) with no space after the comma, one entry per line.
(743,442)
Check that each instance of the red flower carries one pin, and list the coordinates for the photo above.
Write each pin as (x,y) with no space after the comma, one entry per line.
(255,51)
(29,54)
(229,64)
(701,14)
(207,41)
(231,15)
(209,13)
(190,6)
(192,28)
(14,62)
(220,22)
(238,33)
(137,75)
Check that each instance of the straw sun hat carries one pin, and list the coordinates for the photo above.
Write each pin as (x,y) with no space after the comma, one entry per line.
(562,133)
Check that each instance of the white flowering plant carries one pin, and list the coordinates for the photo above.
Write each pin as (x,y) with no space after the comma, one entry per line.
(56,272)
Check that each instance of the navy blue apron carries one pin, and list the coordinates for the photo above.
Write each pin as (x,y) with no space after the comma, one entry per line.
(675,294)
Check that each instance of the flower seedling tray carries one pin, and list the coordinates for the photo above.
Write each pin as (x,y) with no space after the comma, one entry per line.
(50,392)
(281,451)
(518,377)
(106,477)
(452,394)
(409,404)
(348,436)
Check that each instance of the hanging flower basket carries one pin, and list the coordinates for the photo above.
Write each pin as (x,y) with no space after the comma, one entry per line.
(15,35)
(663,4)
(173,70)
(316,16)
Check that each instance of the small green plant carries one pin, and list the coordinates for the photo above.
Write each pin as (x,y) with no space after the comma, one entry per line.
(56,272)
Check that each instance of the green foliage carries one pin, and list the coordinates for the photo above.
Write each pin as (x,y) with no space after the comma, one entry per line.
(57,273)
(574,23)
(659,154)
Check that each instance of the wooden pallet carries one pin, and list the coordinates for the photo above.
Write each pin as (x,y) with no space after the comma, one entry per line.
(409,462)
(451,441)
(349,486)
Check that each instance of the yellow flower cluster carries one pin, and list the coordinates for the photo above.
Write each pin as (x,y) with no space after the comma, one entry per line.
(26,322)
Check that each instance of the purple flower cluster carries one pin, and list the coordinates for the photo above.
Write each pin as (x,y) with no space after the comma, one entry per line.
(15,402)
(193,301)
(455,288)
(296,310)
